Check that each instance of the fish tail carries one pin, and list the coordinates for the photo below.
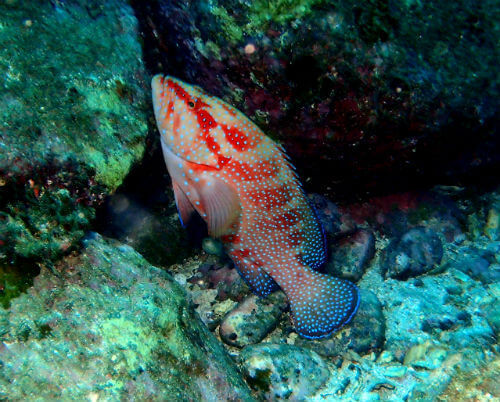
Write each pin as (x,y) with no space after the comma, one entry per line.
(320,304)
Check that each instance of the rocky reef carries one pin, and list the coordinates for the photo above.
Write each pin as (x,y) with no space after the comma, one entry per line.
(390,113)
(420,336)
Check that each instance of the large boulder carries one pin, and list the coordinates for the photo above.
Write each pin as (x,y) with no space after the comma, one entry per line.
(106,325)
(74,106)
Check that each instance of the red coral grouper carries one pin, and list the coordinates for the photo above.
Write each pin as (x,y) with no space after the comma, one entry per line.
(225,168)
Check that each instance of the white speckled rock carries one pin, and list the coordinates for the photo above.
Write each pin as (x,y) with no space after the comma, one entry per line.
(283,371)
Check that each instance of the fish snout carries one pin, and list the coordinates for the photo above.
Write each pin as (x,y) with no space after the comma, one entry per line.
(159,94)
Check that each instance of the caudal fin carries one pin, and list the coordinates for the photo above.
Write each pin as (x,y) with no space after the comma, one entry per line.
(321,304)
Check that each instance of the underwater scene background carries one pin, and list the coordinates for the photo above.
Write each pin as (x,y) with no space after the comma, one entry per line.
(389,112)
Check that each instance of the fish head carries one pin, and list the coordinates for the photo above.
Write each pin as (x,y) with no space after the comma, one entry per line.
(186,118)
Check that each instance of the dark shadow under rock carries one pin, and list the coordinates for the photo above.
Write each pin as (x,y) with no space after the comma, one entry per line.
(416,252)
(350,254)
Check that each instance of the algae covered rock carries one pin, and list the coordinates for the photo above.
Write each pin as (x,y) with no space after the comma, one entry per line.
(107,325)
(84,97)
(74,110)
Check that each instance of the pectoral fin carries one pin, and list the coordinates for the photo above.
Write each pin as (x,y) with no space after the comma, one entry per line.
(221,204)
(196,188)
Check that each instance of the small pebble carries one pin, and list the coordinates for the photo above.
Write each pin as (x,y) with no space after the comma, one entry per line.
(416,252)
(252,319)
(213,247)
(396,370)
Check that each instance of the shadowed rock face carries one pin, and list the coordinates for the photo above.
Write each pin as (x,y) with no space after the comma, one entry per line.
(364,99)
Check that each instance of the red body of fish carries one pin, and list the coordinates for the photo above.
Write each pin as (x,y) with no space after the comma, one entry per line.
(241,183)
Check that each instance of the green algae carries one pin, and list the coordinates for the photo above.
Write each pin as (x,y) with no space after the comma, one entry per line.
(374,19)
(40,222)
(260,15)
(135,343)
(15,280)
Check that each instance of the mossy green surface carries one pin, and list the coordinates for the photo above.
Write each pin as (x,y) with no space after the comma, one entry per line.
(256,17)
(121,327)
(14,280)
(74,87)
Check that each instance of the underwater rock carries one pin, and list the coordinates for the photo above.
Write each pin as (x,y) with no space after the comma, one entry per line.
(213,247)
(350,253)
(436,323)
(88,103)
(74,107)
(491,312)
(478,264)
(252,319)
(492,226)
(108,325)
(416,252)
(393,215)
(444,307)
(480,385)
(283,371)
(484,217)
(380,88)
(213,286)
(364,334)
(425,355)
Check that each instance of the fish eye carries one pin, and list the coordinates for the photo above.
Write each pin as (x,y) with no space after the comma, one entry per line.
(191,104)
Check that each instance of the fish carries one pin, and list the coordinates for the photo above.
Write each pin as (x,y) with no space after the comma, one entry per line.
(243,185)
